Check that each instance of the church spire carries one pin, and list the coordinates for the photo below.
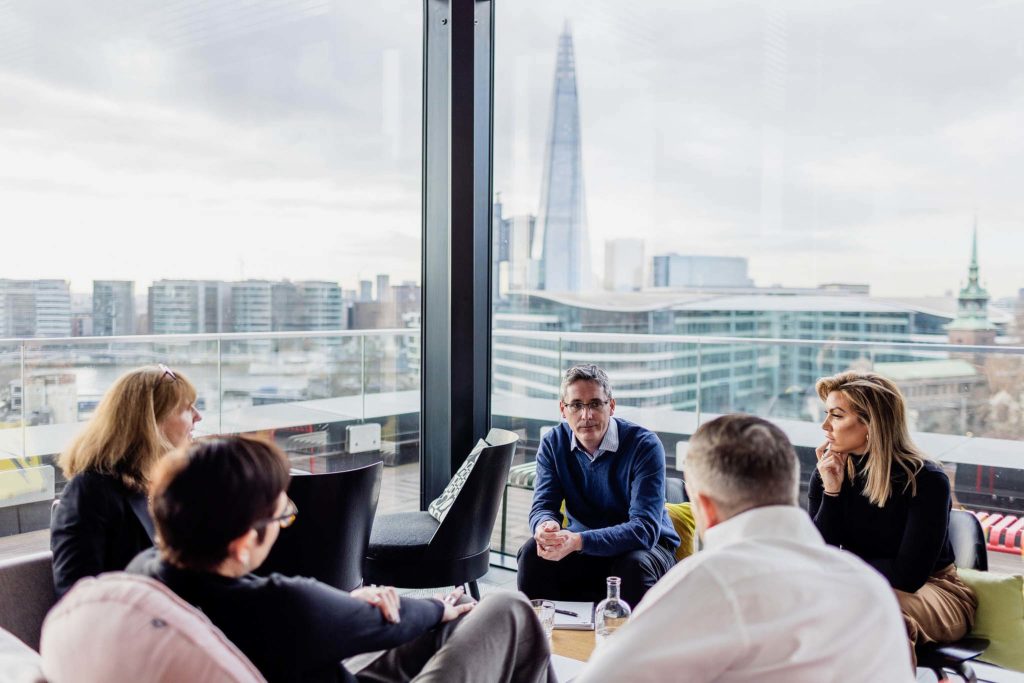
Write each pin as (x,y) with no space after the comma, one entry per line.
(972,271)
(972,325)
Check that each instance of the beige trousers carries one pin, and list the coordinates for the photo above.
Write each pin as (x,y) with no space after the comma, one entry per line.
(941,611)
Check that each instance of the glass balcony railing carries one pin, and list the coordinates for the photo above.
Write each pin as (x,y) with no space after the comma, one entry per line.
(331,400)
(965,403)
(338,399)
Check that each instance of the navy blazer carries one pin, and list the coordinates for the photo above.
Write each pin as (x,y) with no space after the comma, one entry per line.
(98,526)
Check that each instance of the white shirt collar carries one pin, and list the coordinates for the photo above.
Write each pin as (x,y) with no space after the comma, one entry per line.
(772,521)
(609,444)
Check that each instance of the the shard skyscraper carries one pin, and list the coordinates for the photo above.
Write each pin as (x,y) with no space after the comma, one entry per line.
(561,243)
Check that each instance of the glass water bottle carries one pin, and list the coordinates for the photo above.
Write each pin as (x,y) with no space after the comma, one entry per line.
(611,613)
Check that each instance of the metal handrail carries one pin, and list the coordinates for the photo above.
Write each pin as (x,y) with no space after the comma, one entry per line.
(211,336)
(634,338)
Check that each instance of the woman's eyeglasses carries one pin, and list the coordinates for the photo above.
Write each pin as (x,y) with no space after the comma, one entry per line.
(285,519)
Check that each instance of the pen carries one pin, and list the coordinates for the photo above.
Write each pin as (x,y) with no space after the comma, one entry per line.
(566,612)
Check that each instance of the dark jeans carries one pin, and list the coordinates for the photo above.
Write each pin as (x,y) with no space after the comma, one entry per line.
(582,577)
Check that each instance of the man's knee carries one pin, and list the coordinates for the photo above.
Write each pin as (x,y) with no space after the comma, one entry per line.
(637,563)
(508,608)
(531,572)
(505,602)
(527,551)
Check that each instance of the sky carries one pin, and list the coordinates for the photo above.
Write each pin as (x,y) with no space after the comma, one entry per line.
(825,141)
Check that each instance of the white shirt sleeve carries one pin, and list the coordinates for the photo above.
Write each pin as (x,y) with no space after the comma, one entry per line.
(689,627)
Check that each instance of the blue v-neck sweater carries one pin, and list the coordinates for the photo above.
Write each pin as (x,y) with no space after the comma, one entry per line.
(617,502)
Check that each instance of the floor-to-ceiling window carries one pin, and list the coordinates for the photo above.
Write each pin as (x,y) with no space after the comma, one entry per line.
(679,185)
(232,189)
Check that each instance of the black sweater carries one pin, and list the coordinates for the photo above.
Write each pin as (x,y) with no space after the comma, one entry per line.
(98,526)
(292,629)
(907,540)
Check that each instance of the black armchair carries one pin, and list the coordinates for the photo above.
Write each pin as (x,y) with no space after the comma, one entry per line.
(414,550)
(969,552)
(329,538)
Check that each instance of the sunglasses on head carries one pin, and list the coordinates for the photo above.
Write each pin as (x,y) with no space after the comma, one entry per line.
(166,372)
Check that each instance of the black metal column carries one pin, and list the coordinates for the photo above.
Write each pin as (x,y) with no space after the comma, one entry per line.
(456,321)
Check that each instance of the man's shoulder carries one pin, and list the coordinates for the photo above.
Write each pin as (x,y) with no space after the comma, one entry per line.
(636,438)
(632,430)
(558,437)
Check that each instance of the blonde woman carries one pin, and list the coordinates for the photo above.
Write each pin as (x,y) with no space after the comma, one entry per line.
(102,520)
(875,494)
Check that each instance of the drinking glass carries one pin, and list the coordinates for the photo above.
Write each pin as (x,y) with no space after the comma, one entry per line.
(545,611)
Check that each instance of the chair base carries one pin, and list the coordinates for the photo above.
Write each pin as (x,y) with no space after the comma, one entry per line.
(417,569)
(955,657)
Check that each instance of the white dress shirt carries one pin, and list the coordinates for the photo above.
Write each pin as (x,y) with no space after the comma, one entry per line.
(766,601)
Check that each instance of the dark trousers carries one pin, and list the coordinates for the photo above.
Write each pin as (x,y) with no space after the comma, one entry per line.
(582,577)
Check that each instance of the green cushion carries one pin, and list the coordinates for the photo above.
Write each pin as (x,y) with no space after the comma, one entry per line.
(681,515)
(1000,616)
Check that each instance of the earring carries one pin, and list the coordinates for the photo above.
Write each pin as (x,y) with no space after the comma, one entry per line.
(244,559)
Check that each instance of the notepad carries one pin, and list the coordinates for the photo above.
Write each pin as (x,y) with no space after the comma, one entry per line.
(583,621)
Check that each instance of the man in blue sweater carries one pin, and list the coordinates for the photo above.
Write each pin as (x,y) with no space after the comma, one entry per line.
(611,475)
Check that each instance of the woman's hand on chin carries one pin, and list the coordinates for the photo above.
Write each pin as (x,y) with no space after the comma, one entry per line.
(831,467)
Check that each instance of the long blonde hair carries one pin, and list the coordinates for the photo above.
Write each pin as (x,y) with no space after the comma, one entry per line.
(878,403)
(123,438)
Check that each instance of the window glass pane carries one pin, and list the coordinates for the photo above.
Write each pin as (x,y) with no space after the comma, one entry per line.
(246,171)
(841,176)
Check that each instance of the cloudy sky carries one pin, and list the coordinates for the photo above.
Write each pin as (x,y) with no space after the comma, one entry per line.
(826,141)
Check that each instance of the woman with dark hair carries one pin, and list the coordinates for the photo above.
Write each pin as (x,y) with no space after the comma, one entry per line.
(875,494)
(102,520)
(219,506)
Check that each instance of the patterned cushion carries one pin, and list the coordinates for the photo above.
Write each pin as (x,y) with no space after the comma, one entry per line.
(440,506)
(523,476)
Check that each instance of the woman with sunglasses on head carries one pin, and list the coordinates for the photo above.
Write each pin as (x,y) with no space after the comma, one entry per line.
(101,521)
(875,494)
(219,507)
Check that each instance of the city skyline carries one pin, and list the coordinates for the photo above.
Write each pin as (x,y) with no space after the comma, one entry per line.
(806,139)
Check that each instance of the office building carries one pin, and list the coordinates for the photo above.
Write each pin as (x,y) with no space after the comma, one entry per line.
(383,288)
(365,290)
(113,308)
(35,308)
(514,268)
(252,305)
(321,306)
(756,377)
(695,272)
(188,306)
(562,243)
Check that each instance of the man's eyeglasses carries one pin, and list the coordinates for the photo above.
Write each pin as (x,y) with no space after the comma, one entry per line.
(166,372)
(594,406)
(285,519)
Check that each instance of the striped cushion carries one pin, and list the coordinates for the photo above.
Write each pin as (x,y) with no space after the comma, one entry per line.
(523,476)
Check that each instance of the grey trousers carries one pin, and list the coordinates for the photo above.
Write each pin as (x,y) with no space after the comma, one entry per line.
(499,641)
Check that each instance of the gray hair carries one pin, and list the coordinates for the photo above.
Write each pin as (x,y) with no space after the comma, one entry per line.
(743,462)
(586,372)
